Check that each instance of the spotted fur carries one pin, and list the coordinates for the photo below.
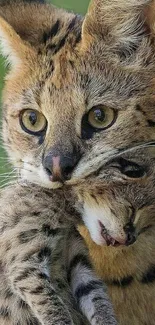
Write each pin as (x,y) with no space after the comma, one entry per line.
(44,263)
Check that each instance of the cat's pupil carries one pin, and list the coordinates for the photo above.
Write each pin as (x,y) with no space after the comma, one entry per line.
(33,118)
(99,115)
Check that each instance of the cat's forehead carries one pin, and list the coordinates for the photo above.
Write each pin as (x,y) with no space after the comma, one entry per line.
(61,81)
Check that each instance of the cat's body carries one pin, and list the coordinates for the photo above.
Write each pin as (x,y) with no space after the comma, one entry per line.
(80,91)
(44,263)
(128,271)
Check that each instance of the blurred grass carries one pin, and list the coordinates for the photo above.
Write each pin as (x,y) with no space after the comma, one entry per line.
(79,6)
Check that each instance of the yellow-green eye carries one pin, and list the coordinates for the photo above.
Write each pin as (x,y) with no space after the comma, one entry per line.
(33,122)
(101,117)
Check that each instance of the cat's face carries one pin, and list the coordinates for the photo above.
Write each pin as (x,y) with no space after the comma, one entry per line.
(118,201)
(78,91)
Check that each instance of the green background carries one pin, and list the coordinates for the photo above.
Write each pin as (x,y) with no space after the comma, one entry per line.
(78,6)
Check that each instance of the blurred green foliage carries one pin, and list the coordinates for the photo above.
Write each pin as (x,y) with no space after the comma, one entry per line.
(79,6)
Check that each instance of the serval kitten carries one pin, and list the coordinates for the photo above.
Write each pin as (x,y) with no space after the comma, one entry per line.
(78,91)
(44,262)
(119,201)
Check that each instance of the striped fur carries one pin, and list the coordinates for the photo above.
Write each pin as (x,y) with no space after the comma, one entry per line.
(46,275)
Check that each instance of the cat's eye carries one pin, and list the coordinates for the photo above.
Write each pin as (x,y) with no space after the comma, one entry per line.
(33,122)
(101,117)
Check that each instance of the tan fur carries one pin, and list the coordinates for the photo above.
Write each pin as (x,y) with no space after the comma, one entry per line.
(113,64)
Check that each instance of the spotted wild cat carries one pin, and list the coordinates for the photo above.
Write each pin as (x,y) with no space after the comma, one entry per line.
(80,90)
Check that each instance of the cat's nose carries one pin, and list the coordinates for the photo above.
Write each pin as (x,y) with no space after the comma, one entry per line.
(130,233)
(59,167)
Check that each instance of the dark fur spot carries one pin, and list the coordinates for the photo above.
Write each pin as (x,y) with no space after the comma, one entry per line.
(78,259)
(84,290)
(37,290)
(50,231)
(33,321)
(26,236)
(78,38)
(123,282)
(43,276)
(26,273)
(4,312)
(96,299)
(151,123)
(60,284)
(60,44)
(149,276)
(22,304)
(3,228)
(8,294)
(72,23)
(44,252)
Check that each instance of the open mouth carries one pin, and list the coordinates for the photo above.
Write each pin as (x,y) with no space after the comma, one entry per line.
(109,240)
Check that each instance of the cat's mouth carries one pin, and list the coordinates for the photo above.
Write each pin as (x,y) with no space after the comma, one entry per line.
(110,241)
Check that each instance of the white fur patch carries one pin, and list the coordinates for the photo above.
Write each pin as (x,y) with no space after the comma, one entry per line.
(92,215)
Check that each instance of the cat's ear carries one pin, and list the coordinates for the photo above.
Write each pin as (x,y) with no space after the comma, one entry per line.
(30,19)
(23,24)
(12,46)
(119,23)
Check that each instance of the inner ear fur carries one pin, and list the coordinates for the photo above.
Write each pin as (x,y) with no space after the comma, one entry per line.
(30,19)
(121,23)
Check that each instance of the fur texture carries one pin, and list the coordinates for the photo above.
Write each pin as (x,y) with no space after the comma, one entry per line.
(44,263)
(63,66)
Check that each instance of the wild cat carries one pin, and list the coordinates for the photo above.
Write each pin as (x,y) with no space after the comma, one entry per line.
(79,91)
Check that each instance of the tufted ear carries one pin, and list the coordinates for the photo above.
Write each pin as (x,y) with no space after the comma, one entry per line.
(23,24)
(119,23)
(12,46)
(31,19)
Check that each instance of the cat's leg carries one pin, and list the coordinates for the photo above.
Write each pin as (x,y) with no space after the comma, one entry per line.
(89,292)
(30,280)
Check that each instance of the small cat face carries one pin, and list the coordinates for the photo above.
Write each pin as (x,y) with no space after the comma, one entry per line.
(117,203)
(78,90)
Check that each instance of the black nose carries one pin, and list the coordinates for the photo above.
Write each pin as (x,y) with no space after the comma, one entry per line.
(130,232)
(60,166)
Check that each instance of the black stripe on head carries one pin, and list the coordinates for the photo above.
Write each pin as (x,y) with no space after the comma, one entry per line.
(52,32)
(55,48)
(85,289)
(79,259)
(149,276)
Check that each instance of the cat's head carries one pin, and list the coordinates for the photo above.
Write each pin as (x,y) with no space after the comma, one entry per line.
(77,89)
(118,202)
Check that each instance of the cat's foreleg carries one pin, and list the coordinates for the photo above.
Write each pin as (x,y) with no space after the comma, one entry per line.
(29,279)
(89,292)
